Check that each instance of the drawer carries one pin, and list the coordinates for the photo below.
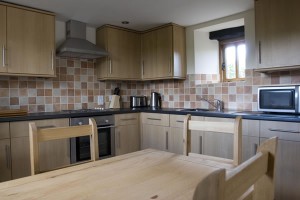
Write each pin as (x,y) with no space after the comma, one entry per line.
(127,119)
(177,120)
(21,129)
(4,130)
(155,119)
(283,130)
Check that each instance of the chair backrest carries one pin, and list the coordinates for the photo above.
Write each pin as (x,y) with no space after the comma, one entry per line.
(37,135)
(234,128)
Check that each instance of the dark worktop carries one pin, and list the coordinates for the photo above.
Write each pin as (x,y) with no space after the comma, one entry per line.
(177,111)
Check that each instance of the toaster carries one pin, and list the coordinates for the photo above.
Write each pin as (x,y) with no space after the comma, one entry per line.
(138,101)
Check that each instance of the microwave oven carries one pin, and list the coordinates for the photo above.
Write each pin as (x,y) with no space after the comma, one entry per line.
(281,99)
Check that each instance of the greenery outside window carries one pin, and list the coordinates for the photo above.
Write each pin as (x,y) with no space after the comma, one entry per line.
(232,59)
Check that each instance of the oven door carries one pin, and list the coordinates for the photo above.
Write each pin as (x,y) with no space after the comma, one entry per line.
(80,146)
(278,99)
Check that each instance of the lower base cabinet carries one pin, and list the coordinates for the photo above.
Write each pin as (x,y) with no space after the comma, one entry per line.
(5,160)
(155,137)
(53,154)
(127,133)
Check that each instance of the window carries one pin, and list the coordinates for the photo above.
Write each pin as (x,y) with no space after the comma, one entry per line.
(232,59)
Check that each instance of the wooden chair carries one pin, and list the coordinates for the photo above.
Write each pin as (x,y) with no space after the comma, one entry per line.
(38,135)
(234,128)
(252,180)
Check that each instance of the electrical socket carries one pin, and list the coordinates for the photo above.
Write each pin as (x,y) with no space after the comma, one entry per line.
(100,100)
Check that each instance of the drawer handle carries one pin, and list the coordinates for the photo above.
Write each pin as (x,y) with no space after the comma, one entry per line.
(179,121)
(128,119)
(154,119)
(284,131)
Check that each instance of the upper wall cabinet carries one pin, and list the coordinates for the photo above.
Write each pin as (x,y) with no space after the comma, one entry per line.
(163,53)
(277,34)
(27,41)
(124,48)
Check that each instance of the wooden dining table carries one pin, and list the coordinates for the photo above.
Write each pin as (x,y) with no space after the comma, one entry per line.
(146,174)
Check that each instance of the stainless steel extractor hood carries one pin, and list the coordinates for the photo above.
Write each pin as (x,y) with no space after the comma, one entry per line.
(76,45)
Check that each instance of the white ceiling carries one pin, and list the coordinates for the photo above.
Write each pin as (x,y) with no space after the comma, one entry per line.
(142,14)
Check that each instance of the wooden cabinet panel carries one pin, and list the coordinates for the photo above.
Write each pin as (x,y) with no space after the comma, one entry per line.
(5,160)
(30,42)
(127,139)
(126,119)
(53,154)
(163,53)
(287,170)
(155,119)
(250,127)
(175,140)
(155,137)
(124,48)
(249,147)
(177,120)
(3,45)
(277,33)
(4,130)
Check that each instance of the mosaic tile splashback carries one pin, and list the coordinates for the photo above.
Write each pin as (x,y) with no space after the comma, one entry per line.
(76,87)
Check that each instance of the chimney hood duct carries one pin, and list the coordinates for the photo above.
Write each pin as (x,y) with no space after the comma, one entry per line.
(76,45)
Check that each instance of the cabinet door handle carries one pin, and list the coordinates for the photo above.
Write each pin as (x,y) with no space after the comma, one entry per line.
(167,140)
(3,56)
(284,131)
(110,67)
(255,149)
(128,119)
(259,52)
(143,68)
(179,121)
(170,63)
(52,60)
(200,144)
(119,140)
(7,154)
(156,119)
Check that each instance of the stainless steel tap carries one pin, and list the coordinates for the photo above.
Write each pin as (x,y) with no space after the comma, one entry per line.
(216,103)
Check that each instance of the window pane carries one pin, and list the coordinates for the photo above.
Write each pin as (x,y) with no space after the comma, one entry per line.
(230,62)
(241,60)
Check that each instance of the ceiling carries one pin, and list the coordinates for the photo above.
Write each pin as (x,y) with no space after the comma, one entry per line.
(142,14)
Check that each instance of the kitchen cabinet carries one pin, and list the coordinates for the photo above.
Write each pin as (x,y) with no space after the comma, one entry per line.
(163,53)
(53,154)
(124,48)
(155,131)
(3,68)
(277,34)
(175,137)
(28,43)
(288,160)
(127,133)
(5,156)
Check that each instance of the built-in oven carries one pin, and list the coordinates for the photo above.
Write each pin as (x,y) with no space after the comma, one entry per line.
(80,146)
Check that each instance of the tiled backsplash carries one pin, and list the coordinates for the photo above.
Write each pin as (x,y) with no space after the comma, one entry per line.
(76,87)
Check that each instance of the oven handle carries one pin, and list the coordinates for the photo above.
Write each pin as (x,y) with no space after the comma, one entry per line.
(104,127)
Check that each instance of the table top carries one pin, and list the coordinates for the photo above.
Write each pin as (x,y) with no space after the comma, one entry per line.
(146,174)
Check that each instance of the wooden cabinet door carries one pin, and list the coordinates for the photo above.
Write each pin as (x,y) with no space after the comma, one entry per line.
(5,160)
(164,50)
(53,154)
(175,140)
(124,48)
(287,170)
(30,42)
(20,154)
(149,62)
(3,67)
(249,147)
(127,139)
(277,33)
(155,137)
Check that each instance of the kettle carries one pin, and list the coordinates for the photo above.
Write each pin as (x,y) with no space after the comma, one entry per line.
(155,100)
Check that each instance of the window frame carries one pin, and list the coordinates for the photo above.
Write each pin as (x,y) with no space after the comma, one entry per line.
(222,45)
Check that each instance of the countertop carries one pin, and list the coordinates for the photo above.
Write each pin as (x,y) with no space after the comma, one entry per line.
(177,111)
